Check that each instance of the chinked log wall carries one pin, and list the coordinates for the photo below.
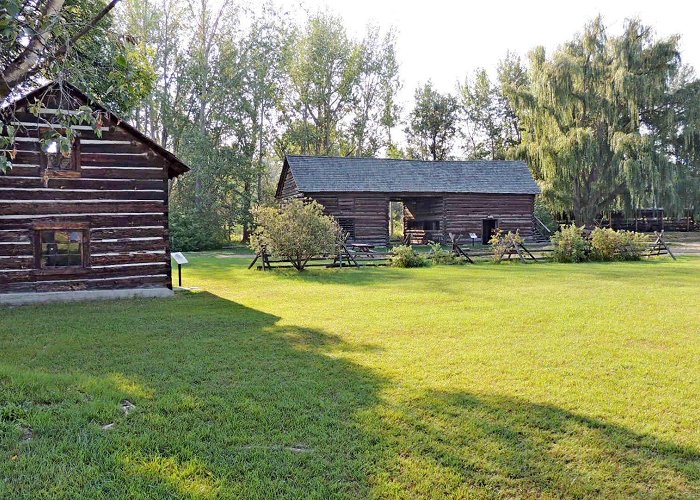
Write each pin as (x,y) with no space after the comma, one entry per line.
(464,213)
(459,213)
(370,212)
(120,194)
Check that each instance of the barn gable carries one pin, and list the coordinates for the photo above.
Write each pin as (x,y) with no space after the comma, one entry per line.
(287,186)
(67,96)
(92,223)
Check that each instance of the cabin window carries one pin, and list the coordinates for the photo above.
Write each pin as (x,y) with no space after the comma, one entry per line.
(53,158)
(61,248)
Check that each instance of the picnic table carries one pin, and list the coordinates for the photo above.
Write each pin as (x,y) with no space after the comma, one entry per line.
(363,248)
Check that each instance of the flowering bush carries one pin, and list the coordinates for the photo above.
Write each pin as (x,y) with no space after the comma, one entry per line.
(608,244)
(570,245)
(501,242)
(604,244)
(296,230)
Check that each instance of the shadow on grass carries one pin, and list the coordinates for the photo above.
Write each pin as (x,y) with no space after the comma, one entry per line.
(504,446)
(229,402)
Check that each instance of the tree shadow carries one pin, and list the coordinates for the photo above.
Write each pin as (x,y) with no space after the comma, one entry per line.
(507,447)
(227,402)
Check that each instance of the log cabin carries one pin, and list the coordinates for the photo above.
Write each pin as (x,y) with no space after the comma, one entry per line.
(438,197)
(90,222)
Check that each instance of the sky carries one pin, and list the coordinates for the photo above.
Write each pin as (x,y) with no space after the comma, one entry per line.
(445,40)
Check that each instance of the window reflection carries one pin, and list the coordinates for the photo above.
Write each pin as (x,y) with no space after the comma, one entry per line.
(61,248)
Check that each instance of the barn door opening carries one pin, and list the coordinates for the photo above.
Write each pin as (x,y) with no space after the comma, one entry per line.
(396,220)
(488,227)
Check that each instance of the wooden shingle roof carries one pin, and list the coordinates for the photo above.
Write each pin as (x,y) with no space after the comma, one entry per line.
(314,174)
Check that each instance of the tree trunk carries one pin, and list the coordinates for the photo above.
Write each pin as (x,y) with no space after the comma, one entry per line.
(260,152)
(246,211)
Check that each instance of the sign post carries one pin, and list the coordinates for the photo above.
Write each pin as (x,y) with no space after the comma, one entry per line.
(180,259)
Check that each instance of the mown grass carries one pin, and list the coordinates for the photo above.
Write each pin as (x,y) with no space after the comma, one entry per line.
(539,380)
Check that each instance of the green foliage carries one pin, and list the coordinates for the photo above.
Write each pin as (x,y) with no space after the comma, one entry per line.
(340,97)
(193,230)
(633,245)
(490,129)
(598,126)
(604,244)
(608,244)
(543,213)
(406,256)
(438,255)
(296,230)
(7,139)
(501,242)
(432,124)
(570,245)
(102,62)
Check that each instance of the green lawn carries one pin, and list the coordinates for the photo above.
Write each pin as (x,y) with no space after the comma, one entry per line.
(538,380)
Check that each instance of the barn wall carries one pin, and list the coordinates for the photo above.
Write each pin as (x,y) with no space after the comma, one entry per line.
(368,212)
(423,218)
(459,213)
(120,194)
(288,185)
(464,212)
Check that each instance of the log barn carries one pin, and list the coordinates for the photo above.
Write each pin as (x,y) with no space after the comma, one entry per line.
(437,197)
(91,222)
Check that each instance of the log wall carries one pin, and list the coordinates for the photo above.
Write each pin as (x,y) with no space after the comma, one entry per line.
(459,213)
(288,186)
(369,213)
(119,194)
(464,213)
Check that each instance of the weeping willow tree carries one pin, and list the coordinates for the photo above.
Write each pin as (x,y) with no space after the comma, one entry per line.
(602,124)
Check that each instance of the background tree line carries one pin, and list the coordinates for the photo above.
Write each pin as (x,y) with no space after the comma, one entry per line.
(605,122)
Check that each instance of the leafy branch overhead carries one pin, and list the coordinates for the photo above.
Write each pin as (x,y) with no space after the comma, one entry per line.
(37,36)
(67,40)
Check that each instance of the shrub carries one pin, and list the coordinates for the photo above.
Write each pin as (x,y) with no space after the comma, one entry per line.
(296,230)
(604,244)
(570,245)
(608,244)
(192,231)
(633,245)
(441,256)
(500,243)
(406,256)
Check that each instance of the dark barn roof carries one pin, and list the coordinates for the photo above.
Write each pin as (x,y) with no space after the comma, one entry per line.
(314,174)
